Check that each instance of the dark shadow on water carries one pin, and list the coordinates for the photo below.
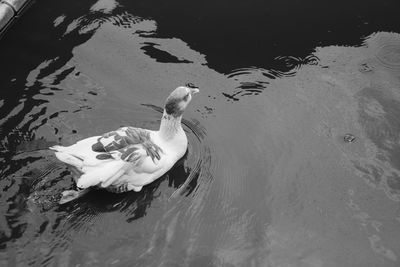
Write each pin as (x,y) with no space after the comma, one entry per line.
(261,30)
(35,191)
(49,44)
(160,55)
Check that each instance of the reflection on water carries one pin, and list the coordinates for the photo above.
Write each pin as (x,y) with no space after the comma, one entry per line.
(267,180)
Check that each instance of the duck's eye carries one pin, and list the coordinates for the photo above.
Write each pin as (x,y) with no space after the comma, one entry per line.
(190,85)
(185,98)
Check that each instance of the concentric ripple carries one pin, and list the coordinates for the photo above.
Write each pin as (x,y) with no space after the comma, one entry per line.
(36,188)
(385,48)
(389,55)
(93,21)
(253,81)
(198,154)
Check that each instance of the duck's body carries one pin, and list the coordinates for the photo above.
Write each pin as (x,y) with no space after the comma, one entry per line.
(129,158)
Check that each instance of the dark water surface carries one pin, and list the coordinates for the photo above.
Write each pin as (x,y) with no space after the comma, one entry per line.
(294,140)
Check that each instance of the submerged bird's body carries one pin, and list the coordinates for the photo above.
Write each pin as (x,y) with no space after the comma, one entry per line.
(129,158)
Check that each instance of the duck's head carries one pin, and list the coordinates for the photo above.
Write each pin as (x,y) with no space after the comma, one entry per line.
(178,100)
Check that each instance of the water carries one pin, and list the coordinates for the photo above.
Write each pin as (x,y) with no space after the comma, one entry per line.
(269,178)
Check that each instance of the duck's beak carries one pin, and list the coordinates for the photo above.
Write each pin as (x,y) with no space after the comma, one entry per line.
(194,90)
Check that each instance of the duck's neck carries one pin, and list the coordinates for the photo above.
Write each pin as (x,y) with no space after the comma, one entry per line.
(170,126)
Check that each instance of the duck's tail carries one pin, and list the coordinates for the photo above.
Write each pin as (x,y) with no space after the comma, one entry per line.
(78,154)
(108,172)
(63,155)
(94,171)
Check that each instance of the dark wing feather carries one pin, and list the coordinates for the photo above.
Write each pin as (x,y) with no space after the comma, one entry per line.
(129,153)
(98,147)
(125,141)
(104,156)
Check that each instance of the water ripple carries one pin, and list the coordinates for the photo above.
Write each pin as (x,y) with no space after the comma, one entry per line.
(293,64)
(389,55)
(385,48)
(200,150)
(253,81)
(91,22)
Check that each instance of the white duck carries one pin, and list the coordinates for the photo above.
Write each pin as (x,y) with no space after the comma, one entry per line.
(129,158)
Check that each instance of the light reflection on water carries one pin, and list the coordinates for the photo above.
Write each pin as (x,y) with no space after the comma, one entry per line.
(267,179)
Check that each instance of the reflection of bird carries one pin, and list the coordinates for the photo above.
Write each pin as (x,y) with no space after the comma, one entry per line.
(129,158)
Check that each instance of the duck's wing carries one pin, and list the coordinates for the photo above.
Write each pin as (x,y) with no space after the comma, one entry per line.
(103,159)
(133,146)
(129,144)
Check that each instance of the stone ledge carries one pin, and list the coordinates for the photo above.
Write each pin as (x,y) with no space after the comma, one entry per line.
(16,4)
(6,15)
(10,10)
